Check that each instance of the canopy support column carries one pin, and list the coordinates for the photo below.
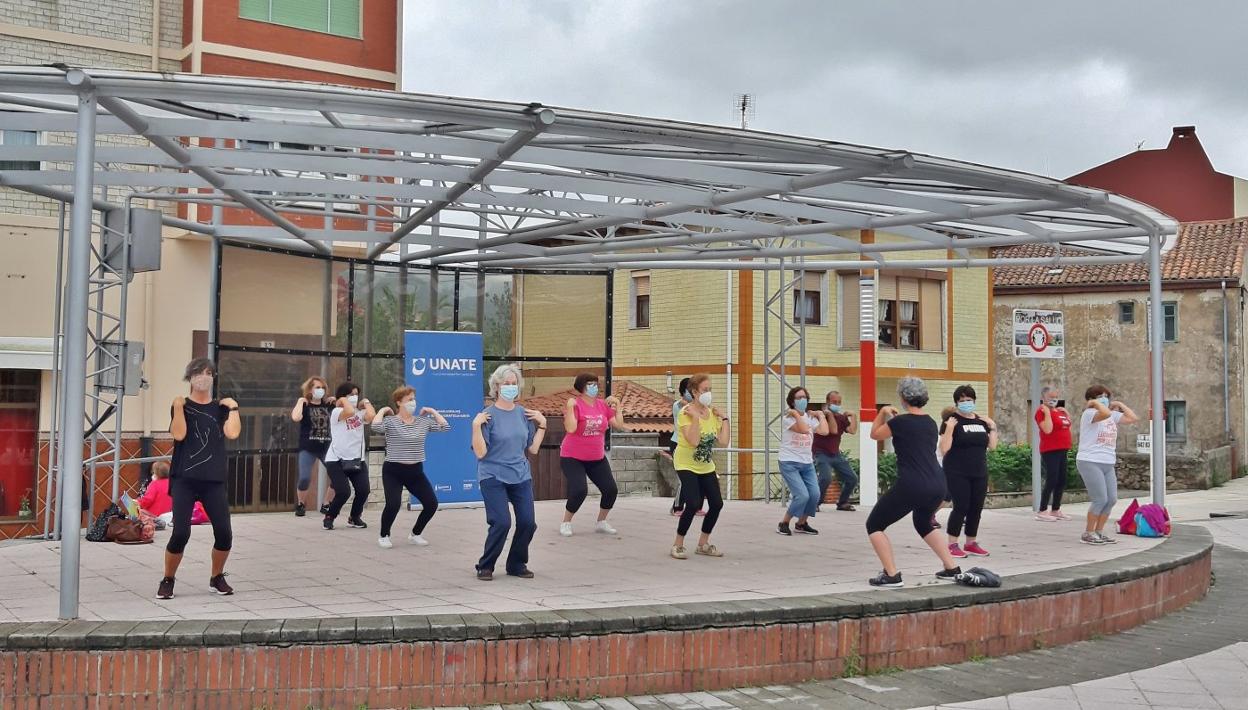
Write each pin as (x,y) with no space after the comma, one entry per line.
(1157,404)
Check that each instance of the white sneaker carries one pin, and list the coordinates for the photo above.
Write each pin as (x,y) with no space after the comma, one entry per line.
(605,528)
(384,543)
(1045,517)
(565,529)
(417,540)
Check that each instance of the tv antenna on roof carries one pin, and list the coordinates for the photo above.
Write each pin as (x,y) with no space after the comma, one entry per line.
(743,107)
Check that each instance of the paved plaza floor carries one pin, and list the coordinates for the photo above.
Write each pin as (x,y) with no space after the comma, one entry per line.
(288,567)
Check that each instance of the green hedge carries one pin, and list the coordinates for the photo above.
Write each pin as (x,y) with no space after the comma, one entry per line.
(1009,469)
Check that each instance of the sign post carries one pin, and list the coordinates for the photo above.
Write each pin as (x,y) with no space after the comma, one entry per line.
(445,368)
(1038,335)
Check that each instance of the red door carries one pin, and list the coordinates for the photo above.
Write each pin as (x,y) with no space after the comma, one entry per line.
(19,437)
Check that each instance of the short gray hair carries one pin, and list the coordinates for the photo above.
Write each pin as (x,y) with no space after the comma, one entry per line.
(500,373)
(912,391)
(1044,391)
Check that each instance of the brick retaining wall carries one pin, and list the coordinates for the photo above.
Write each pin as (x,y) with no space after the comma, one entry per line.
(403,661)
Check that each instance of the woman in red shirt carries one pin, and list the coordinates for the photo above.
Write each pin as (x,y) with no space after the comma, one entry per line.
(156,499)
(1054,423)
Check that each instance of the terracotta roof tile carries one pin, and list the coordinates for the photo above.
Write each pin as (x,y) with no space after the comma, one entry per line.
(1204,251)
(644,409)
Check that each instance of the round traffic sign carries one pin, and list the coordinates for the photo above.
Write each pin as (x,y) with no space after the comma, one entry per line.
(1038,337)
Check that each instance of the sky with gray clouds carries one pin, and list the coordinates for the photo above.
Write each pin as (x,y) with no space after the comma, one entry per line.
(1052,87)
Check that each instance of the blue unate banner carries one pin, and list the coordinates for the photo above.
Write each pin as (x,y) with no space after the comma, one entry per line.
(446,370)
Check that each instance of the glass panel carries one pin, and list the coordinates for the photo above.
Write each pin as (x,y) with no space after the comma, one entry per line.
(909,337)
(446,300)
(27,138)
(888,335)
(19,426)
(254,9)
(888,311)
(469,305)
(643,311)
(378,377)
(562,315)
(266,386)
(499,333)
(909,311)
(279,300)
(344,18)
(378,300)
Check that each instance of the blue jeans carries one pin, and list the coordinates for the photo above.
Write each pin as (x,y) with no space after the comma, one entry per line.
(499,499)
(804,487)
(849,480)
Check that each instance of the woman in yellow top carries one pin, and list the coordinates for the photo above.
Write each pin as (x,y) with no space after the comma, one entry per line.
(699,429)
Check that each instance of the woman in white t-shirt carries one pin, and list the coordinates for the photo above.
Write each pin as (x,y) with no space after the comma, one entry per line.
(345,460)
(1098,443)
(797,463)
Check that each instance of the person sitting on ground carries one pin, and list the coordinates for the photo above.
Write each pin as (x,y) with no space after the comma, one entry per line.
(156,499)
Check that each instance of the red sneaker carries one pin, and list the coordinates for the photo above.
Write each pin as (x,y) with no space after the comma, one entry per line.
(955,551)
(973,548)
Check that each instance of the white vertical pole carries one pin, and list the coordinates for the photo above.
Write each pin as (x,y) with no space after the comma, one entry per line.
(1035,435)
(75,352)
(1157,393)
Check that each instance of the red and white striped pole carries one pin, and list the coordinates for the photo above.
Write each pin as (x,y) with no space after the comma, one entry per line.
(868,459)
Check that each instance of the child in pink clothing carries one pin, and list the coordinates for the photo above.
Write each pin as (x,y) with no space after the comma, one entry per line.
(583,454)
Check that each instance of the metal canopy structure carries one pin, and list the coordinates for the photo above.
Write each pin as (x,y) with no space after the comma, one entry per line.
(449,181)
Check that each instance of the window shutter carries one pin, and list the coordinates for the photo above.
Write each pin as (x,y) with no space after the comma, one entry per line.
(641,283)
(812,281)
(307,14)
(344,18)
(886,288)
(907,289)
(931,319)
(849,310)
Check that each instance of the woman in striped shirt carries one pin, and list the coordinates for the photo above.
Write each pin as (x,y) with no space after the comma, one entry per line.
(405,430)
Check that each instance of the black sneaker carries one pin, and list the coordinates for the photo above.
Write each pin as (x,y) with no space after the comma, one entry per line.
(325,509)
(165,590)
(300,510)
(356,523)
(485,575)
(805,529)
(884,579)
(328,523)
(949,575)
(525,573)
(783,529)
(847,507)
(217,584)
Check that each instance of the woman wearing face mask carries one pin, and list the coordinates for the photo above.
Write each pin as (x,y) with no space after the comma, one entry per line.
(405,430)
(312,412)
(920,483)
(199,426)
(501,436)
(583,454)
(1054,423)
(797,463)
(681,402)
(345,460)
(965,438)
(1098,444)
(700,428)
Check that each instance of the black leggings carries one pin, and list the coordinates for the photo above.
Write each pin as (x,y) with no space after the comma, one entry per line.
(1053,463)
(343,482)
(395,477)
(920,503)
(576,471)
(212,495)
(968,496)
(694,489)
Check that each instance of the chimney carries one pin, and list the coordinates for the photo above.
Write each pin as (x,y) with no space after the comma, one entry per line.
(1184,132)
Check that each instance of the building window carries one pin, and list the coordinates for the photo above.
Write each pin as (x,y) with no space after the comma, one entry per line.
(19,428)
(1176,421)
(1126,312)
(335,17)
(910,310)
(22,138)
(639,300)
(808,298)
(1170,321)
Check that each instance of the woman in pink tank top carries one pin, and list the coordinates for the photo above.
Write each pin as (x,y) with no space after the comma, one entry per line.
(583,454)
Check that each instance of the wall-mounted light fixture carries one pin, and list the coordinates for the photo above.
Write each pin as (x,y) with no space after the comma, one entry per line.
(669,382)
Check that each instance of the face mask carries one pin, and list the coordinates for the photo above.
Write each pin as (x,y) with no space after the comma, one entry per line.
(1103,400)
(834,407)
(1052,403)
(591,390)
(800,404)
(318,393)
(705,398)
(966,407)
(509,392)
(353,400)
(410,406)
(201,383)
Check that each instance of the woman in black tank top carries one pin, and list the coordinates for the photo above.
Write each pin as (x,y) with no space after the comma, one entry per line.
(920,485)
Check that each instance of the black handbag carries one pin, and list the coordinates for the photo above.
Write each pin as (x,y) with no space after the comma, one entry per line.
(352,465)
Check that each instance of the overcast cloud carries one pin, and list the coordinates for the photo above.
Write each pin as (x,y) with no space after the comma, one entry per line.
(1052,87)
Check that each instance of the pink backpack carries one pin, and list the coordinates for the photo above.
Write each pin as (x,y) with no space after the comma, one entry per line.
(1126,524)
(1152,520)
